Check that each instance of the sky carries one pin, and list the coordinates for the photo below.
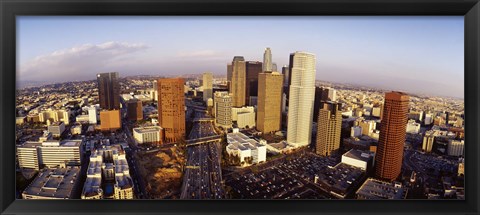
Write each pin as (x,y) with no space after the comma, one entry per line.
(418,54)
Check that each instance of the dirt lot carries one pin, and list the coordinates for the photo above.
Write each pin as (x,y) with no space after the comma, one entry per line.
(162,172)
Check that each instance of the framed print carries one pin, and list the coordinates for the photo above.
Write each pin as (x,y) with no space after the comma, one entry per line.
(182,107)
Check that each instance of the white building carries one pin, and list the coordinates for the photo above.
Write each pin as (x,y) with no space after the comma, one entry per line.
(413,127)
(267,61)
(92,115)
(151,134)
(242,146)
(54,116)
(222,109)
(358,158)
(456,147)
(332,94)
(302,95)
(244,116)
(108,164)
(376,111)
(50,153)
(356,131)
(207,84)
(428,119)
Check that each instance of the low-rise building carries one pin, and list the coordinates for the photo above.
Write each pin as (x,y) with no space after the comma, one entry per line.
(456,147)
(373,189)
(56,128)
(57,183)
(151,135)
(413,127)
(108,168)
(50,153)
(244,147)
(358,158)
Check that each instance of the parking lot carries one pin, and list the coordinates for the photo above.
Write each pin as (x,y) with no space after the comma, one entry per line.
(291,180)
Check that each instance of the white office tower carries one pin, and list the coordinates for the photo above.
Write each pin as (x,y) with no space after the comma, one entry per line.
(92,115)
(332,94)
(207,86)
(267,60)
(302,94)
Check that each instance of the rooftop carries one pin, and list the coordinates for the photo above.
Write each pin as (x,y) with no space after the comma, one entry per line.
(376,189)
(54,183)
(359,155)
(147,129)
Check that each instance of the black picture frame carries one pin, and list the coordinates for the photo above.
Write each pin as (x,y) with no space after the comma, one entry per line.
(9,9)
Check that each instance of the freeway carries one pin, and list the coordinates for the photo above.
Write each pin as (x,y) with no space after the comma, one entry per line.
(203,176)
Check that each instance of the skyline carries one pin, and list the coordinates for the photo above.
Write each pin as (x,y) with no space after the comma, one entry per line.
(378,49)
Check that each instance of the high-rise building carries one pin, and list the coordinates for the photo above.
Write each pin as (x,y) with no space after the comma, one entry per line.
(109,90)
(207,83)
(222,109)
(301,98)
(110,120)
(229,77)
(253,68)
(274,67)
(392,136)
(267,60)
(329,126)
(92,115)
(285,74)
(171,108)
(134,110)
(269,107)
(321,96)
(238,83)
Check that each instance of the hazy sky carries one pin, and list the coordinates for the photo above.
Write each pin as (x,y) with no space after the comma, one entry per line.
(415,54)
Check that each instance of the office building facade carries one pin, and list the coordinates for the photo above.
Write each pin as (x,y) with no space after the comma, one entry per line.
(238,83)
(301,99)
(207,84)
(109,90)
(222,109)
(171,108)
(269,103)
(392,136)
(329,126)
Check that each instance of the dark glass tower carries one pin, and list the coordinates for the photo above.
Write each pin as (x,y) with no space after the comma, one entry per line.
(109,91)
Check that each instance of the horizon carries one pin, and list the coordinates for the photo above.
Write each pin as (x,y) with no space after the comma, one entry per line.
(394,53)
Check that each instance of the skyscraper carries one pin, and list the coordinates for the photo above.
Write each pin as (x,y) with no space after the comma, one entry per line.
(171,108)
(109,90)
(267,60)
(134,110)
(269,109)
(321,96)
(229,76)
(329,126)
(237,88)
(253,68)
(285,75)
(207,83)
(302,94)
(392,136)
(222,109)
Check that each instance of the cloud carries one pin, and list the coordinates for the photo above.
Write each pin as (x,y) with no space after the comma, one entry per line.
(78,62)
